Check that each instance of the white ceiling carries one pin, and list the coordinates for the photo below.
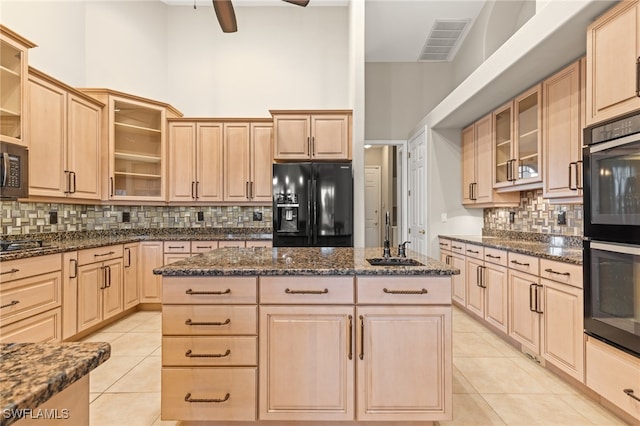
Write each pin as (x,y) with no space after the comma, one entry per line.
(395,30)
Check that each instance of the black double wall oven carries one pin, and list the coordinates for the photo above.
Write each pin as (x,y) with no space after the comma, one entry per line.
(612,232)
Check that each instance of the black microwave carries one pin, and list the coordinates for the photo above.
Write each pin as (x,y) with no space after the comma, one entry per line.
(14,171)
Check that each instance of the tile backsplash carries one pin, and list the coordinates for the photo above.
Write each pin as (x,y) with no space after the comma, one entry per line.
(535,214)
(27,218)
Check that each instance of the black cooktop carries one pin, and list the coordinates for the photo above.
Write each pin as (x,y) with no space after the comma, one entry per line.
(14,245)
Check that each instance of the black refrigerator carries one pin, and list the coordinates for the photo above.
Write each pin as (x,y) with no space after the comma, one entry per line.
(312,205)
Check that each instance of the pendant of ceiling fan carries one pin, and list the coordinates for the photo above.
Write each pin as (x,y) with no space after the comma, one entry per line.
(227,17)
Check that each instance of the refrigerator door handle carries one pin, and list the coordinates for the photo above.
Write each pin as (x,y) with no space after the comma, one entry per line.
(314,186)
(309,211)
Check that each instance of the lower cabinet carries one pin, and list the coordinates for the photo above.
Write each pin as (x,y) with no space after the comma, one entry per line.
(524,318)
(151,257)
(131,293)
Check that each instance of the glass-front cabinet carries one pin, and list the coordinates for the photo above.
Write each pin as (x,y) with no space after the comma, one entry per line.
(13,81)
(517,142)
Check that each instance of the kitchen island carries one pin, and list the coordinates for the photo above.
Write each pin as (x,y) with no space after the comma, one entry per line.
(306,334)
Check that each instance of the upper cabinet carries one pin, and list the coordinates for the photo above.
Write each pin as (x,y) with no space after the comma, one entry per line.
(517,142)
(613,53)
(563,110)
(65,140)
(13,82)
(136,155)
(312,135)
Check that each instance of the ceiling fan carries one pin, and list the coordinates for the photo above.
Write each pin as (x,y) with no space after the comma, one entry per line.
(227,17)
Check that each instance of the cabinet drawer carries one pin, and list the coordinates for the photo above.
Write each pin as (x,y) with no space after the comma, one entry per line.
(306,290)
(495,256)
(609,372)
(458,247)
(209,351)
(203,246)
(230,243)
(259,243)
(99,254)
(177,247)
(477,252)
(22,268)
(404,290)
(524,263)
(444,244)
(565,273)
(208,320)
(41,328)
(29,296)
(219,394)
(209,290)
(170,258)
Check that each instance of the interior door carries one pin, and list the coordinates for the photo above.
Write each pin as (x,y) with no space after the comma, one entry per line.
(372,206)
(416,193)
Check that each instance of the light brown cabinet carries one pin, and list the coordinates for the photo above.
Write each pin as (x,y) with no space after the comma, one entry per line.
(100,285)
(312,135)
(195,161)
(65,140)
(613,49)
(13,86)
(452,253)
(151,257)
(247,161)
(477,172)
(562,124)
(69,294)
(134,131)
(130,291)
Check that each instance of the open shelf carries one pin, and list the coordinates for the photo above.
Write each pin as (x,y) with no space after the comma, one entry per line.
(137,157)
(130,128)
(526,157)
(8,73)
(142,175)
(4,112)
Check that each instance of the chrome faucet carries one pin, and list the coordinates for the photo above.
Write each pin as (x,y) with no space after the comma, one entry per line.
(386,251)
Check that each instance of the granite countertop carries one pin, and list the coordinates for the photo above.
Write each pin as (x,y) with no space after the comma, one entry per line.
(31,373)
(65,242)
(298,261)
(553,250)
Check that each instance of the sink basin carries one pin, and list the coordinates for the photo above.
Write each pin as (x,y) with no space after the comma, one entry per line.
(394,261)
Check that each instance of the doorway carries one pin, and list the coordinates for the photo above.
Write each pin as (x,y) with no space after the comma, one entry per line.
(372,206)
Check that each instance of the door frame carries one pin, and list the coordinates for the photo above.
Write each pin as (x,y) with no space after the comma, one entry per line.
(380,232)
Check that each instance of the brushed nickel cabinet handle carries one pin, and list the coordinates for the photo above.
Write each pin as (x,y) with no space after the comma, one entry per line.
(111,187)
(288,291)
(421,291)
(190,354)
(361,356)
(196,293)
(216,400)
(11,271)
(630,393)
(174,247)
(15,302)
(551,271)
(579,172)
(531,286)
(204,247)
(246,190)
(193,189)
(189,322)
(350,326)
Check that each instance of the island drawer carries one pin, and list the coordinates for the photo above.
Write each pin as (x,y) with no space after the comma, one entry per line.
(565,273)
(23,268)
(524,263)
(474,251)
(458,247)
(100,254)
(324,290)
(209,320)
(177,247)
(495,256)
(191,394)
(42,328)
(404,290)
(29,296)
(209,351)
(209,290)
(203,246)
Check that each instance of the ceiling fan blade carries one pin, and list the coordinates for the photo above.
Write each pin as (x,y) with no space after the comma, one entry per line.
(302,3)
(226,15)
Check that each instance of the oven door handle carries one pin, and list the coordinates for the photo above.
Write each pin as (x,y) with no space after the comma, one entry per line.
(603,146)
(5,169)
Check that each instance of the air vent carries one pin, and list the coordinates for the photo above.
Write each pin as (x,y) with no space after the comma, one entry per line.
(444,40)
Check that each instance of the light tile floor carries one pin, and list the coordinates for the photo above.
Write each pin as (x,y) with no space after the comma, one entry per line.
(493,383)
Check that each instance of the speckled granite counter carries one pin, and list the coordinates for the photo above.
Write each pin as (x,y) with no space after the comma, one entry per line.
(548,250)
(71,241)
(31,373)
(298,261)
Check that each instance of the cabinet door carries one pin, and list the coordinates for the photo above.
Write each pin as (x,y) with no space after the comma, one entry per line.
(524,322)
(503,145)
(495,282)
(459,286)
(90,285)
(84,145)
(131,294)
(112,295)
(563,327)
(561,133)
(468,164)
(306,363)
(69,294)
(475,293)
(396,380)
(48,135)
(613,46)
(236,161)
(182,163)
(261,162)
(209,158)
(483,189)
(330,137)
(527,167)
(292,135)
(151,256)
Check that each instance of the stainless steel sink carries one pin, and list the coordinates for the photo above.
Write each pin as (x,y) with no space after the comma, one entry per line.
(394,261)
